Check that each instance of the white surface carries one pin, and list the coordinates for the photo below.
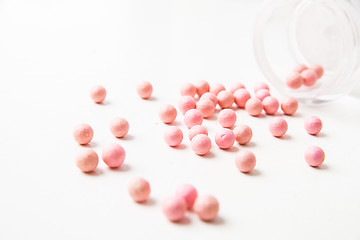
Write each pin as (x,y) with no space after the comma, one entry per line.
(52,52)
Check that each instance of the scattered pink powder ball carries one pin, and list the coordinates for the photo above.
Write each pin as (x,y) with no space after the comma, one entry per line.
(254,107)
(278,126)
(173,136)
(216,88)
(225,99)
(98,94)
(188,89)
(202,87)
(224,138)
(167,113)
(241,96)
(243,133)
(270,105)
(235,86)
(261,94)
(201,144)
(261,85)
(174,208)
(186,103)
(227,118)
(83,133)
(289,105)
(310,77)
(119,127)
(113,155)
(193,117)
(314,156)
(318,69)
(139,189)
(300,68)
(188,193)
(294,80)
(313,125)
(206,207)
(144,89)
(209,96)
(245,161)
(206,107)
(87,160)
(197,129)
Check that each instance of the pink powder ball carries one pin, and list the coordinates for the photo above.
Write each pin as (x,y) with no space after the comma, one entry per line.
(243,133)
(193,117)
(173,136)
(174,208)
(310,77)
(202,87)
(209,96)
(113,155)
(198,129)
(139,190)
(167,113)
(236,86)
(261,94)
(294,80)
(188,193)
(186,103)
(278,126)
(87,160)
(201,144)
(314,156)
(98,94)
(216,88)
(206,107)
(144,89)
(261,85)
(227,118)
(313,125)
(270,105)
(188,89)
(241,96)
(83,133)
(245,161)
(254,107)
(300,68)
(206,207)
(318,69)
(224,138)
(289,105)
(225,99)
(119,127)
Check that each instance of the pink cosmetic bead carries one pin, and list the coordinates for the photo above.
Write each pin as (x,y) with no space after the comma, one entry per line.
(206,107)
(289,105)
(294,80)
(241,96)
(318,69)
(216,88)
(313,125)
(144,89)
(193,117)
(310,77)
(245,161)
(83,133)
(224,138)
(202,87)
(87,160)
(261,85)
(167,113)
(174,208)
(113,155)
(186,103)
(225,99)
(139,189)
(314,156)
(206,207)
(278,126)
(254,107)
(209,96)
(173,136)
(188,193)
(227,118)
(98,94)
(201,144)
(188,89)
(119,127)
(261,94)
(270,105)
(235,86)
(198,129)
(300,68)
(243,133)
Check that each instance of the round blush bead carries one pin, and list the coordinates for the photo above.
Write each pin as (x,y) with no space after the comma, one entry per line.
(318,69)
(289,105)
(167,113)
(119,127)
(310,77)
(173,136)
(87,160)
(216,88)
(225,99)
(188,193)
(174,208)
(186,103)
(98,94)
(278,126)
(313,125)
(261,94)
(83,133)
(206,207)
(201,144)
(243,133)
(197,129)
(209,96)
(202,87)
(227,118)
(261,85)
(235,86)
(294,80)
(245,161)
(270,105)
(254,106)
(113,155)
(241,96)
(193,117)
(300,68)
(139,189)
(206,107)
(314,156)
(144,89)
(188,89)
(224,138)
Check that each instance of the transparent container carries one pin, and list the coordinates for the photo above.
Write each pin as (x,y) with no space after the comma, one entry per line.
(326,32)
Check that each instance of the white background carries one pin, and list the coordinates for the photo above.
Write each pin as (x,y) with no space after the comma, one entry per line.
(52,52)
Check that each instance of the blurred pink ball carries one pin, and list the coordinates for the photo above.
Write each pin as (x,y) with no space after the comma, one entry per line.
(202,87)
(98,93)
(216,88)
(144,89)
(119,127)
(227,118)
(241,96)
(201,144)
(167,113)
(225,99)
(173,136)
(139,189)
(193,117)
(186,103)
(197,129)
(245,161)
(188,89)
(113,155)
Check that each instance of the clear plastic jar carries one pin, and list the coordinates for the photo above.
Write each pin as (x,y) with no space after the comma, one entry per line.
(326,32)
